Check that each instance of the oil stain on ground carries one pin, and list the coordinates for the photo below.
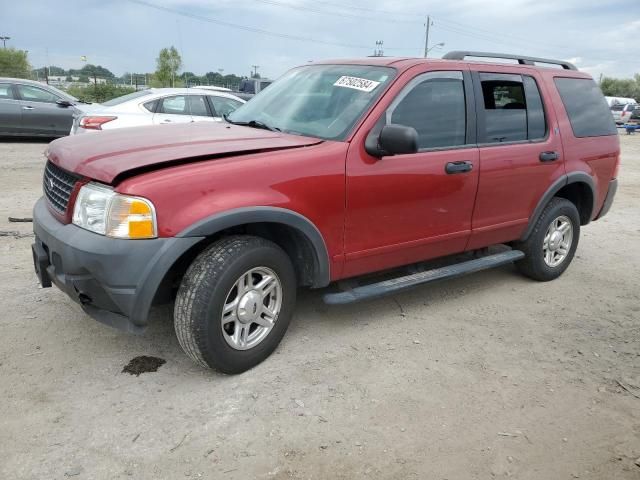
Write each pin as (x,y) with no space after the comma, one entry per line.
(143,364)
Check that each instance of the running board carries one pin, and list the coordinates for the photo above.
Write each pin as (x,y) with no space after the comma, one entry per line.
(394,285)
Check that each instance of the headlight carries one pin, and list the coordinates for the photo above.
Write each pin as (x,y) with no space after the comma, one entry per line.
(101,210)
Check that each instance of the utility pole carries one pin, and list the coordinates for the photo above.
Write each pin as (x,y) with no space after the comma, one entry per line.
(426,37)
(4,41)
(255,70)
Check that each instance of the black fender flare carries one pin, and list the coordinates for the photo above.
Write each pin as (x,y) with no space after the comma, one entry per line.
(260,214)
(559,184)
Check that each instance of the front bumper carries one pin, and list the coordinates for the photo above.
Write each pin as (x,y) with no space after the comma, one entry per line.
(115,281)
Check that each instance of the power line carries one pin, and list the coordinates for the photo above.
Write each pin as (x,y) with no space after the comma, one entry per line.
(334,14)
(501,35)
(254,29)
(366,9)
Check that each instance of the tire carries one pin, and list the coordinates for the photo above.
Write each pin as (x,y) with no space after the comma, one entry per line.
(537,264)
(215,280)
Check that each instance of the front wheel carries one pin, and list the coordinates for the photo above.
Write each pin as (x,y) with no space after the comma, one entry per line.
(553,242)
(235,303)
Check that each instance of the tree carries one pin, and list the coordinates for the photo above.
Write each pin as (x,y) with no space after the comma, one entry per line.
(14,63)
(168,63)
(621,87)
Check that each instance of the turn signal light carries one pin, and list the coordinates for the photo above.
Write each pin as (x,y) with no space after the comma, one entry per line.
(131,217)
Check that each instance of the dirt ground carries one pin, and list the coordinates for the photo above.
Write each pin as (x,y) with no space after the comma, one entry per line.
(488,376)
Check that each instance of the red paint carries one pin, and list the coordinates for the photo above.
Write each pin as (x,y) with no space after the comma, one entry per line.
(373,213)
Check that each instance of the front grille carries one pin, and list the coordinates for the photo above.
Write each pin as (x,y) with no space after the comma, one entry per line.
(58,185)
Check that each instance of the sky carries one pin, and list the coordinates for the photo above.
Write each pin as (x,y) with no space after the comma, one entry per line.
(600,37)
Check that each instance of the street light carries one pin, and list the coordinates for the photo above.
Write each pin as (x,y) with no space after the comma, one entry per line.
(4,41)
(441,44)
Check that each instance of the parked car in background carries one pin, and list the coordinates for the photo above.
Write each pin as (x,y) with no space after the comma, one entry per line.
(249,87)
(611,101)
(622,113)
(157,106)
(34,109)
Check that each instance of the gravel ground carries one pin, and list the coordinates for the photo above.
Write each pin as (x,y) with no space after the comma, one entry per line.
(487,376)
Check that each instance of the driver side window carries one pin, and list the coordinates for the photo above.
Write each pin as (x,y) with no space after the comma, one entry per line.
(433,104)
(35,94)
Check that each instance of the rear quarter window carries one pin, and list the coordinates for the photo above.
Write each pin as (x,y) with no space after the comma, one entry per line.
(586,107)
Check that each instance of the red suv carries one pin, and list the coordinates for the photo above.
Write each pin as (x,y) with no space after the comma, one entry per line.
(338,169)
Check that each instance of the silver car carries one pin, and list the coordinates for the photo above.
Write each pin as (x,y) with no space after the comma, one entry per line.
(29,108)
(622,112)
(156,106)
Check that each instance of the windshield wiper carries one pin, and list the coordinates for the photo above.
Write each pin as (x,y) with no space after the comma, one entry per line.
(253,124)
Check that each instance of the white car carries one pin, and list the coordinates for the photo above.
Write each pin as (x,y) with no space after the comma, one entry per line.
(156,106)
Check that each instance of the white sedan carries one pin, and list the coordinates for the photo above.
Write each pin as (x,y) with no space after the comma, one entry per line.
(156,106)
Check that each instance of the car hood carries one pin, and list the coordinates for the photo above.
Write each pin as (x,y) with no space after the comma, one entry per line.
(111,153)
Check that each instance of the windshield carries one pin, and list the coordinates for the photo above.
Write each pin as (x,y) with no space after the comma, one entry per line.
(126,98)
(323,101)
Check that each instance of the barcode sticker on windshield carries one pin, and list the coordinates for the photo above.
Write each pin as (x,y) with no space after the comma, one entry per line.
(356,83)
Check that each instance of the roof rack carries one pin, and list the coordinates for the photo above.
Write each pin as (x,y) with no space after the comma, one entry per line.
(522,60)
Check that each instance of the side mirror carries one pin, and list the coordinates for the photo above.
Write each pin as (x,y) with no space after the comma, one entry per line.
(393,140)
(64,103)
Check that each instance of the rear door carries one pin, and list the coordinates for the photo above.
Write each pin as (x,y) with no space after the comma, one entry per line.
(520,151)
(41,115)
(10,110)
(173,109)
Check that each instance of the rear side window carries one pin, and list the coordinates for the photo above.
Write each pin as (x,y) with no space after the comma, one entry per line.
(174,105)
(433,104)
(536,123)
(511,109)
(586,107)
(617,108)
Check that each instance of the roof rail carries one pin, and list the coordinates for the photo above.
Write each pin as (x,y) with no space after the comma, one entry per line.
(522,60)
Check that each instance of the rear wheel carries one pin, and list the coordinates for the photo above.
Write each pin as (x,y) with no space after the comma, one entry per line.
(553,242)
(235,303)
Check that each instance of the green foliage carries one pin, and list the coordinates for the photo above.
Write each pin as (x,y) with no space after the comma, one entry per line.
(621,87)
(90,70)
(168,63)
(14,63)
(53,70)
(98,93)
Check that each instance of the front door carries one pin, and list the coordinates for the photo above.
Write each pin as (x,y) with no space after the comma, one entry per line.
(41,115)
(406,208)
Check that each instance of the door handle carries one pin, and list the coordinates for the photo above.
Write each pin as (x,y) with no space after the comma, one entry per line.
(458,167)
(549,156)
(166,120)
(27,107)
